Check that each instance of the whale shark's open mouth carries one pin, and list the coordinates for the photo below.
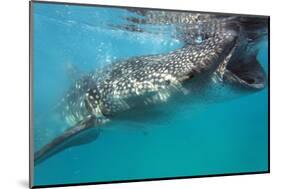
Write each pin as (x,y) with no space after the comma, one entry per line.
(247,72)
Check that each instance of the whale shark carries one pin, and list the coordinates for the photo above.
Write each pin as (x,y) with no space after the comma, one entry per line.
(219,59)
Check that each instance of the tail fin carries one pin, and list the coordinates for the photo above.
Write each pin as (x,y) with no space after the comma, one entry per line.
(82,133)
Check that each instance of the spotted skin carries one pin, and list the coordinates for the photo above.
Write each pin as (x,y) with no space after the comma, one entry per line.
(144,80)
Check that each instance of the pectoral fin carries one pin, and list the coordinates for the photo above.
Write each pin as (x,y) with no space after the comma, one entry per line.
(83,132)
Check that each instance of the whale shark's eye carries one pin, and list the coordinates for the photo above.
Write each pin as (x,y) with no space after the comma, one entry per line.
(190,76)
(167,82)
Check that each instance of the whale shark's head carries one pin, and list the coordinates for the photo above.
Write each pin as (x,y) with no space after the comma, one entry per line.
(232,70)
(244,68)
(247,72)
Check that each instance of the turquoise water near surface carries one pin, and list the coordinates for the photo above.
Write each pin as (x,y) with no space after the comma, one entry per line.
(226,136)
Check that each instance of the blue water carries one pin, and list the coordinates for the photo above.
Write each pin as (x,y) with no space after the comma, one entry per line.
(230,136)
